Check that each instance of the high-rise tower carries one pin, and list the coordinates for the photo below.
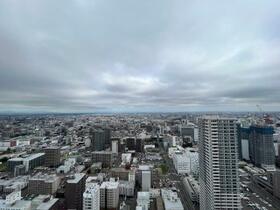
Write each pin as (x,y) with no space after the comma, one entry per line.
(218,164)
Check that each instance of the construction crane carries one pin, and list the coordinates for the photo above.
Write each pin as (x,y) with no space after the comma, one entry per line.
(265,116)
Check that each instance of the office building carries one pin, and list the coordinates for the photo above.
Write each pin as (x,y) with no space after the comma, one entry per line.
(74,189)
(52,156)
(109,195)
(97,140)
(276,184)
(91,197)
(120,173)
(107,136)
(105,157)
(28,161)
(187,130)
(218,164)
(147,177)
(146,180)
(261,147)
(139,145)
(43,184)
(115,147)
(186,162)
(182,163)
(130,143)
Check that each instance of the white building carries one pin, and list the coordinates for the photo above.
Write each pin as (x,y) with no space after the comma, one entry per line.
(182,163)
(186,162)
(109,195)
(146,180)
(13,202)
(115,147)
(218,164)
(143,200)
(171,200)
(91,197)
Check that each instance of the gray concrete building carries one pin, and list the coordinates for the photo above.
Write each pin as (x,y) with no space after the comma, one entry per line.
(43,184)
(52,156)
(105,157)
(74,189)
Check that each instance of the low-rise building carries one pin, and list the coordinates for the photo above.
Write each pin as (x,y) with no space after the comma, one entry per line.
(52,156)
(13,202)
(105,157)
(43,184)
(192,188)
(29,161)
(171,200)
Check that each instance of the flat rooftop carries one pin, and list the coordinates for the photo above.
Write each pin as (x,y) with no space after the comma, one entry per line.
(75,178)
(109,185)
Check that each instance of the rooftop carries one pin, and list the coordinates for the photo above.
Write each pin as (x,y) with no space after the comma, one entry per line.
(171,199)
(109,185)
(47,205)
(75,178)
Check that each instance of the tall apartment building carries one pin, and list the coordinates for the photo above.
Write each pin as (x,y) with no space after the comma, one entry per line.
(43,184)
(74,189)
(218,164)
(52,156)
(261,148)
(109,195)
(91,197)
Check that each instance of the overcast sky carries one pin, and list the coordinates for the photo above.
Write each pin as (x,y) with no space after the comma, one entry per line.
(148,55)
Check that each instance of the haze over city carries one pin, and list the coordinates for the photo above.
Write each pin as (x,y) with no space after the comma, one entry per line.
(127,56)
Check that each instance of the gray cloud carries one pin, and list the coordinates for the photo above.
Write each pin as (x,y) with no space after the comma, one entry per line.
(96,55)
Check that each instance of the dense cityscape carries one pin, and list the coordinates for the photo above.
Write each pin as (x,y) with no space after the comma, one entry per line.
(139,105)
(143,161)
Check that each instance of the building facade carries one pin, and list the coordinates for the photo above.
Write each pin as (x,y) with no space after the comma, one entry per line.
(218,164)
(109,195)
(261,148)
(105,157)
(74,189)
(91,197)
(52,156)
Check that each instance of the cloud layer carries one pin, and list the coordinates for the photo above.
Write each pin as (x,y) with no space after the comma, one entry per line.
(159,55)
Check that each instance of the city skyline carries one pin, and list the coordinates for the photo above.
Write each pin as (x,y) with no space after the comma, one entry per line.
(122,56)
